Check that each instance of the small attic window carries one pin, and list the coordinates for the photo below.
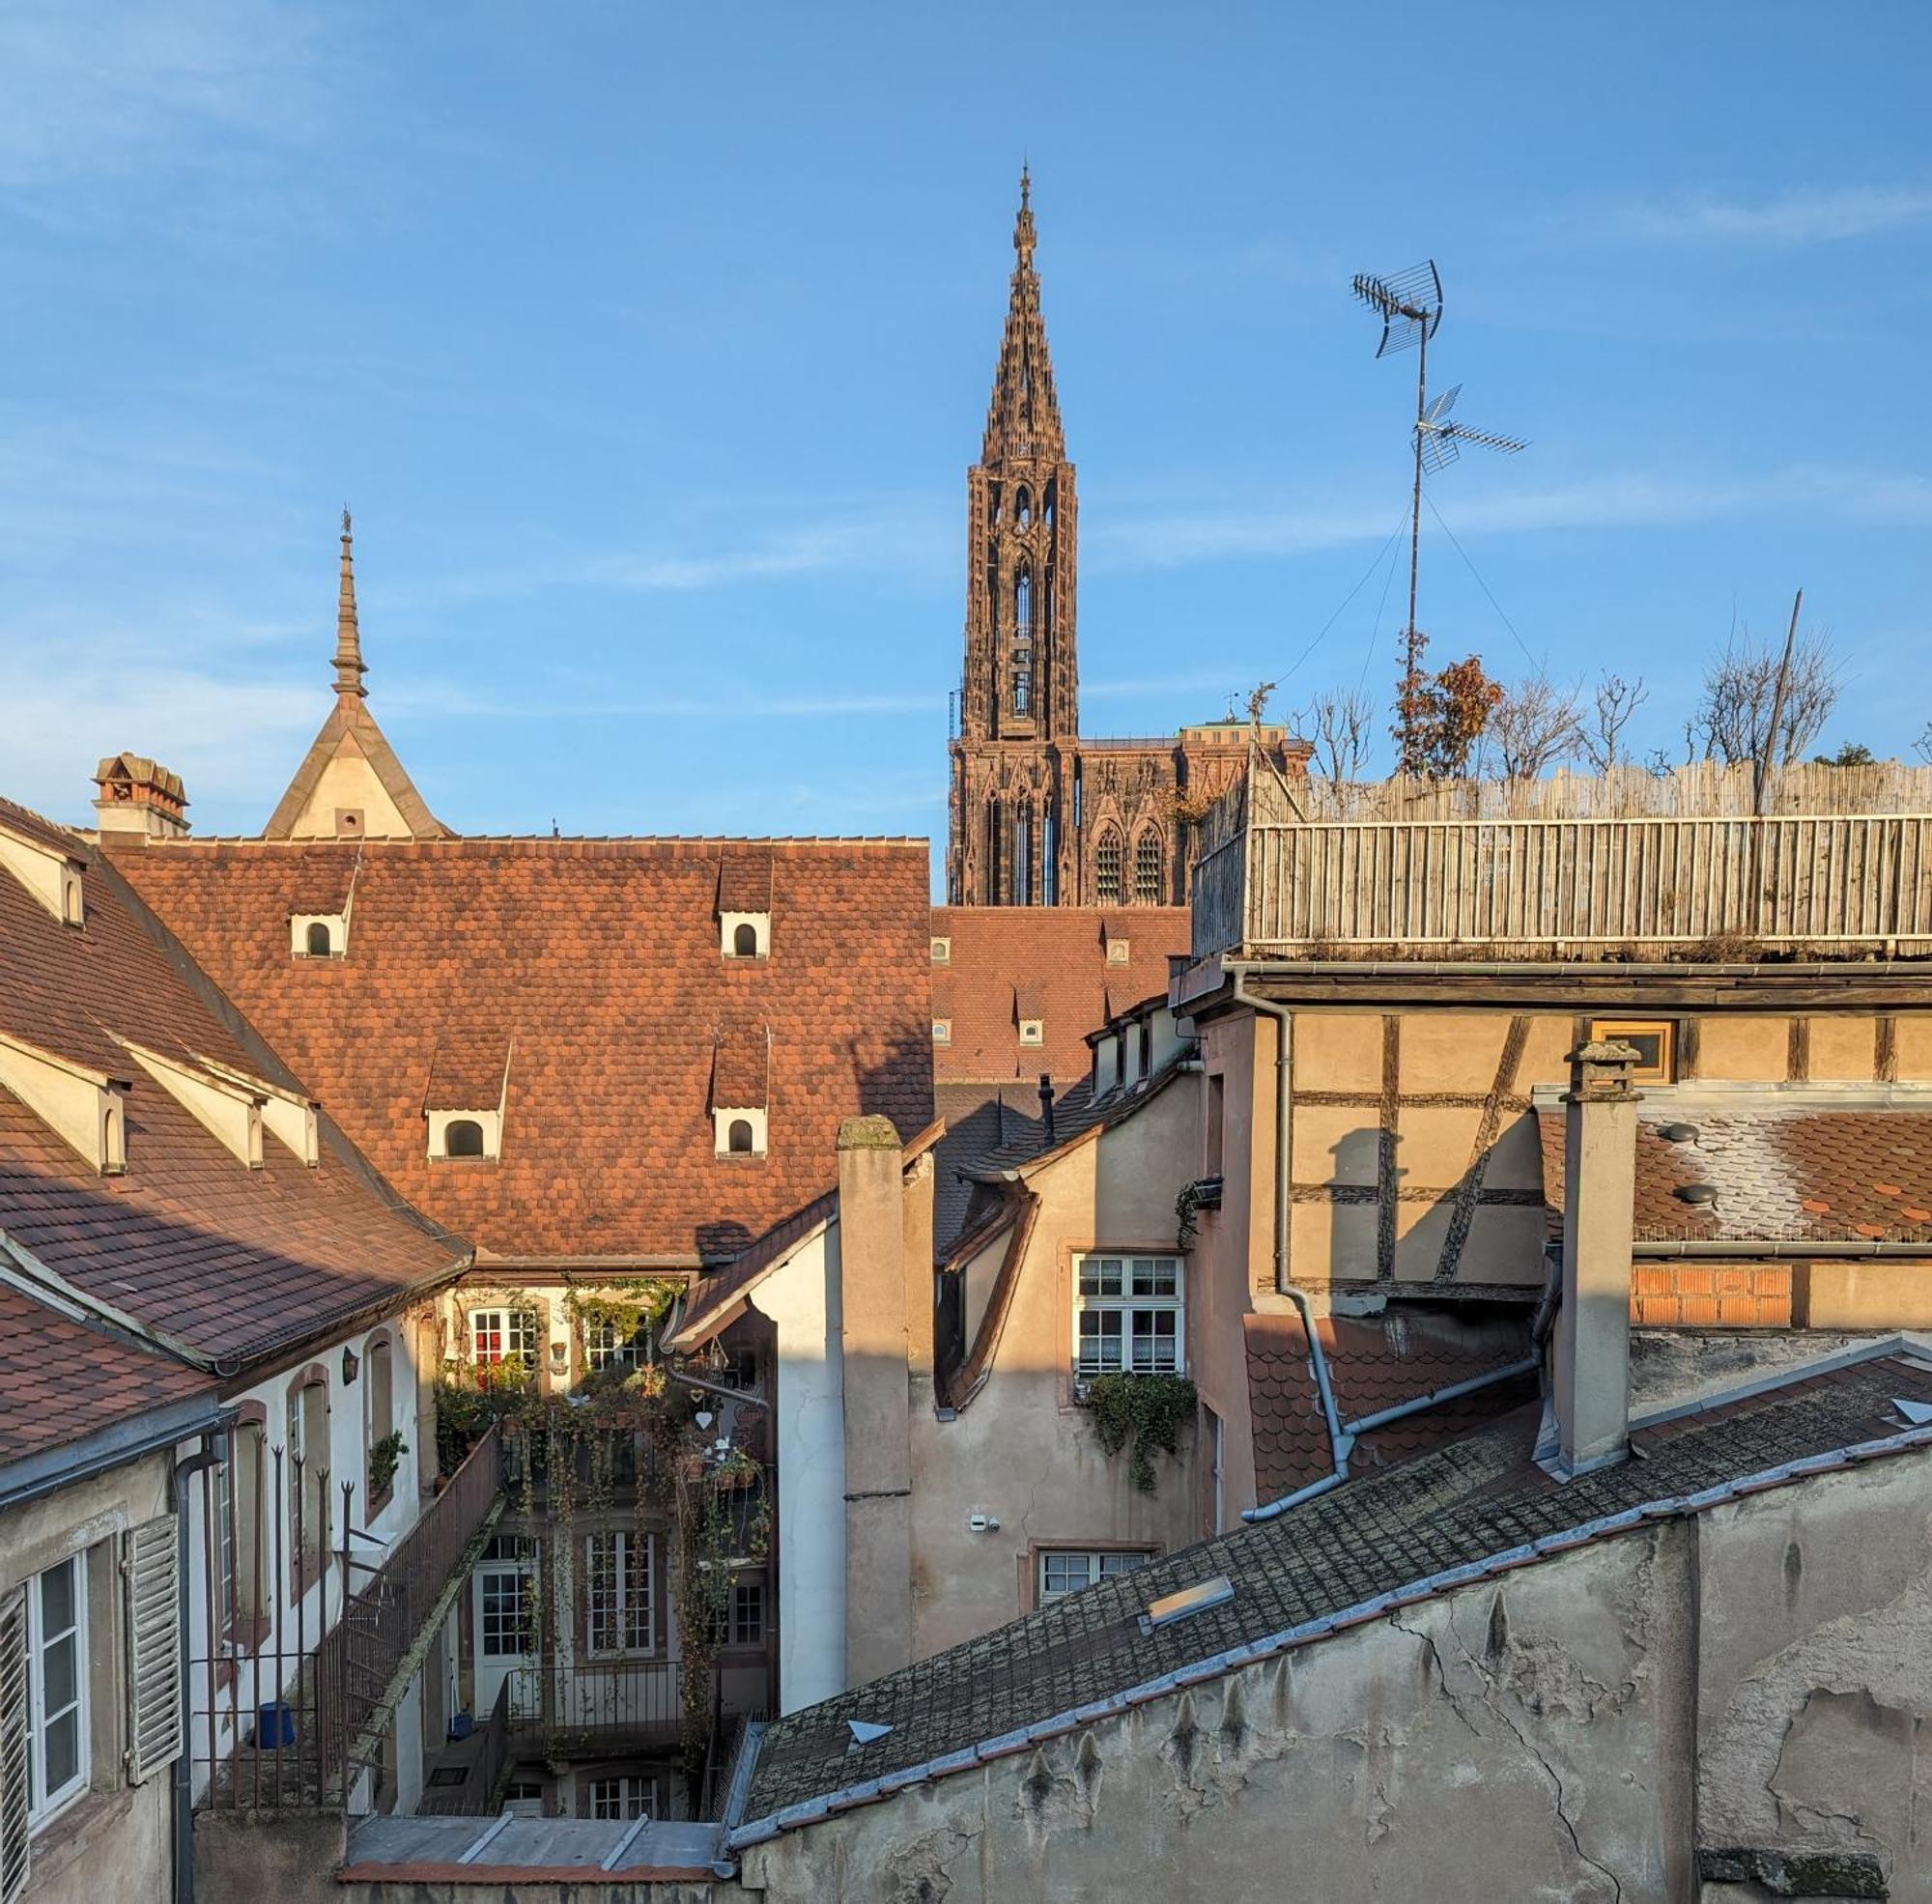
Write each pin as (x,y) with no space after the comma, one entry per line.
(347,822)
(1118,951)
(942,952)
(738,1131)
(457,1136)
(318,935)
(1033,1031)
(744,934)
(941,1031)
(1172,1606)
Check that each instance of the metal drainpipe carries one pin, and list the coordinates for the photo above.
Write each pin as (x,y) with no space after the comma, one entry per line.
(1337,1442)
(214,1452)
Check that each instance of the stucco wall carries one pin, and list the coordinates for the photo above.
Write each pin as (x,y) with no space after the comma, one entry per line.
(1527,1739)
(1022,1452)
(114,1845)
(349,782)
(800,1299)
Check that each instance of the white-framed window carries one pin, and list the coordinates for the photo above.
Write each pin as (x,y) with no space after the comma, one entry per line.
(1128,1315)
(503,1335)
(617,1593)
(942,951)
(1064,1569)
(1033,1031)
(57,1735)
(941,1031)
(625,1796)
(606,1346)
(504,1611)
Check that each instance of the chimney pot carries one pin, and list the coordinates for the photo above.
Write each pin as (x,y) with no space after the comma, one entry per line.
(139,797)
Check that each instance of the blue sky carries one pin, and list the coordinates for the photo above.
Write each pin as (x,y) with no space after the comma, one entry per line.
(650,345)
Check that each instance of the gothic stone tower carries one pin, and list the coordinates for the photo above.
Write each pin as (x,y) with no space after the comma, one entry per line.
(1038,816)
(1012,763)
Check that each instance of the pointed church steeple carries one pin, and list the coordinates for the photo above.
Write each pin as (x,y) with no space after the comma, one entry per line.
(1023,418)
(349,664)
(349,785)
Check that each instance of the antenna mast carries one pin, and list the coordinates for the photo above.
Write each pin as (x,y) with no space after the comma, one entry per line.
(1409,305)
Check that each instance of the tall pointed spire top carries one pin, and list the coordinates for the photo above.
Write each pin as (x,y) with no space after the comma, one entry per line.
(1023,418)
(349,665)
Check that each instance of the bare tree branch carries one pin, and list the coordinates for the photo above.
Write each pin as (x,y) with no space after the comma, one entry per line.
(1339,723)
(1733,720)
(1533,727)
(1602,736)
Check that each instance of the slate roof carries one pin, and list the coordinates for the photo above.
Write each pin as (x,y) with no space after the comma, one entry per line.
(1782,1171)
(1478,1504)
(599,961)
(188,1240)
(1045,962)
(1374,1362)
(61,1379)
(979,1118)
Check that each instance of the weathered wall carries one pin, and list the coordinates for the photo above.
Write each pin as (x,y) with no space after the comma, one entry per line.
(1023,1452)
(349,782)
(1815,1672)
(1527,1739)
(114,1845)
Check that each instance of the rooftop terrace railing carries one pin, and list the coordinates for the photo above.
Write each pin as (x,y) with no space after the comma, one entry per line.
(1586,865)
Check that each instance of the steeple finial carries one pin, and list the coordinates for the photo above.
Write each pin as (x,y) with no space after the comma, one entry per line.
(1023,418)
(349,665)
(1023,232)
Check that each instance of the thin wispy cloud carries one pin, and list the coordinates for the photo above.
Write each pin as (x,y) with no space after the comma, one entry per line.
(1820,215)
(1849,497)
(99,92)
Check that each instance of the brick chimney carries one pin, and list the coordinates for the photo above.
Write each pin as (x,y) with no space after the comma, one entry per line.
(877,1342)
(139,796)
(1592,1373)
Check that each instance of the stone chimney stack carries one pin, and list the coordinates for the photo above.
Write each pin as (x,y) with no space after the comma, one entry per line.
(877,1342)
(1592,1373)
(139,796)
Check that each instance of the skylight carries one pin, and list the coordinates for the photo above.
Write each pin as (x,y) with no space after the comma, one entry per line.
(1196,1598)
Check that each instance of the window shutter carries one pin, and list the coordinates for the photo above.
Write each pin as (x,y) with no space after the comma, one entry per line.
(13,1745)
(150,1567)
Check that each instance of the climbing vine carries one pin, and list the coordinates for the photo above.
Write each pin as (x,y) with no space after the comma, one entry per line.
(627,1415)
(1142,1413)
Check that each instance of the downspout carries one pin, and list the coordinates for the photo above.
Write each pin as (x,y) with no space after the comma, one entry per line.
(214,1452)
(1337,1445)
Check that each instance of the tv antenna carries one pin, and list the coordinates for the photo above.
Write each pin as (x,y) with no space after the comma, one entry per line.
(1409,305)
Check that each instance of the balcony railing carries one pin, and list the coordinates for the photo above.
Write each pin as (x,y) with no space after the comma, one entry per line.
(295,1718)
(1572,873)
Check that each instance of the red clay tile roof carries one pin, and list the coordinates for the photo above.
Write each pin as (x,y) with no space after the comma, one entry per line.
(60,1379)
(1047,962)
(745,882)
(1782,1173)
(599,961)
(1375,1362)
(189,1240)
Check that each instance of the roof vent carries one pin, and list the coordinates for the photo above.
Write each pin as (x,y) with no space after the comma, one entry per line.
(864,1732)
(1679,1133)
(1696,1193)
(1196,1598)
(1918,1413)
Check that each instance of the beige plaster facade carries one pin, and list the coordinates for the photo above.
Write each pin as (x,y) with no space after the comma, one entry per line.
(114,1843)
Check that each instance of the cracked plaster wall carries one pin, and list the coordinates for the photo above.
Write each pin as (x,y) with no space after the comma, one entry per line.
(1527,1738)
(1815,1674)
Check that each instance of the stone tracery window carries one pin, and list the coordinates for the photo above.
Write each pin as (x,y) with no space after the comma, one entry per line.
(1107,868)
(1148,868)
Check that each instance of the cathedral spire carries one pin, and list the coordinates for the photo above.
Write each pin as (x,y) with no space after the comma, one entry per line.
(349,665)
(1023,418)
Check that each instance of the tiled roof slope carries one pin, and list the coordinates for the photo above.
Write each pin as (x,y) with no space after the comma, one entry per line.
(189,1240)
(60,1379)
(597,964)
(1375,1362)
(1054,959)
(979,1118)
(1476,1501)
(1780,1172)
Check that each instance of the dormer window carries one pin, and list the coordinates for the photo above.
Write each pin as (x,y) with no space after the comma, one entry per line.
(47,870)
(744,934)
(1033,1031)
(1118,951)
(318,934)
(85,1108)
(942,952)
(460,1136)
(941,1031)
(738,1131)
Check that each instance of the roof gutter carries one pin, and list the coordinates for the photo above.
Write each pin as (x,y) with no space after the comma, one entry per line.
(1733,1248)
(50,1469)
(1283,1107)
(810,1811)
